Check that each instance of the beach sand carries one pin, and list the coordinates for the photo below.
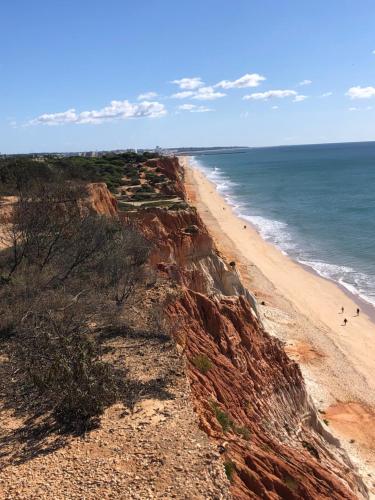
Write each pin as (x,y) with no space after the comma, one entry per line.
(304,311)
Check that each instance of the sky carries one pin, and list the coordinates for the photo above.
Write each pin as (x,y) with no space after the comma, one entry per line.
(79,75)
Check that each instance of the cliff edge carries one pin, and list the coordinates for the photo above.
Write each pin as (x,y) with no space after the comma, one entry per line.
(250,397)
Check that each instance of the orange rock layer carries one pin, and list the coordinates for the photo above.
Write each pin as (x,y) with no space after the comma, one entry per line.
(100,199)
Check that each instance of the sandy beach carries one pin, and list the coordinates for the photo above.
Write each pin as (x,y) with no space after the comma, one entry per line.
(304,311)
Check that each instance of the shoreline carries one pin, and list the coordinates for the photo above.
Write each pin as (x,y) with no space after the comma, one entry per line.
(302,309)
(365,305)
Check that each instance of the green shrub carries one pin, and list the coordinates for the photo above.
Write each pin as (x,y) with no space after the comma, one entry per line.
(151,175)
(153,182)
(243,432)
(227,423)
(229,468)
(203,363)
(222,417)
(311,449)
(291,483)
(127,182)
(180,205)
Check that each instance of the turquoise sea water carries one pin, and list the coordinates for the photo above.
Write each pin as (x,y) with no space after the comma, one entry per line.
(316,203)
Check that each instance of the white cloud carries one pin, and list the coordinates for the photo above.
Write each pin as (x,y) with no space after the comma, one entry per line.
(279,94)
(189,83)
(300,98)
(116,110)
(182,95)
(305,82)
(367,108)
(275,107)
(201,94)
(269,94)
(373,51)
(193,108)
(361,92)
(248,80)
(146,96)
(207,94)
(187,107)
(326,94)
(69,116)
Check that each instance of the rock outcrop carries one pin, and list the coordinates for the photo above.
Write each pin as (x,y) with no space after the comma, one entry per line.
(250,397)
(100,199)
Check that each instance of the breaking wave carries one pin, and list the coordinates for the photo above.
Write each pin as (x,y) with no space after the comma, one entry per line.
(282,236)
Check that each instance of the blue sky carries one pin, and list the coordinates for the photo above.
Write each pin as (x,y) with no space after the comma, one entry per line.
(72,73)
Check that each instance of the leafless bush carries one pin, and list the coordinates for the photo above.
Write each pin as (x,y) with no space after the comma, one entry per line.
(51,235)
(62,271)
(124,263)
(39,226)
(58,356)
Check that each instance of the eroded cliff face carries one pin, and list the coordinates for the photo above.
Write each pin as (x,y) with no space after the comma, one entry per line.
(100,199)
(272,433)
(249,396)
(171,168)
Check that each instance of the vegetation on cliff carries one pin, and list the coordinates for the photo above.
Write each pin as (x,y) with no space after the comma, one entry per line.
(21,171)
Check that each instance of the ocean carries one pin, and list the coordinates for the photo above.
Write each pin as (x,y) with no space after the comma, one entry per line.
(316,203)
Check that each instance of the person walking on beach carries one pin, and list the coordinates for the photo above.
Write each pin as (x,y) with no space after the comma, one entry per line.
(342,310)
(357,311)
(345,321)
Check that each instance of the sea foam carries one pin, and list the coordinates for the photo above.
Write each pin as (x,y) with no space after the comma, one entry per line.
(280,234)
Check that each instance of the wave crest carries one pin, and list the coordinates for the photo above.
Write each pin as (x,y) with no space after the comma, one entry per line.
(281,235)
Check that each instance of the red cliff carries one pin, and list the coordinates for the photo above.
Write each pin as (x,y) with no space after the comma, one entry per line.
(249,396)
(100,199)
